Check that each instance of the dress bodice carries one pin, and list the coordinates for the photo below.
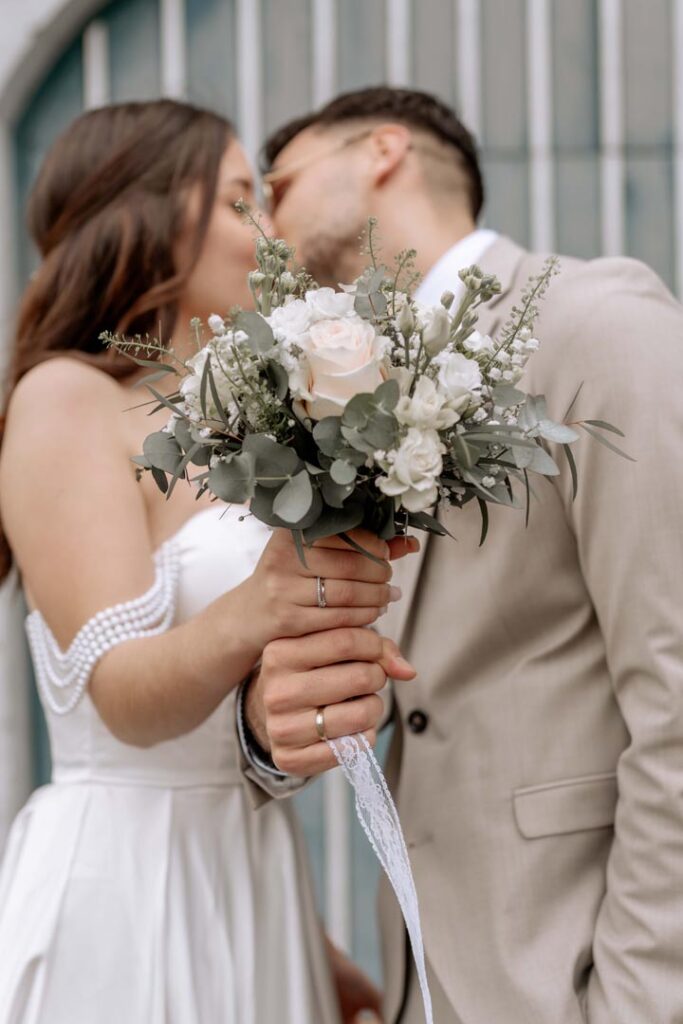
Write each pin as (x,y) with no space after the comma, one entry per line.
(214,551)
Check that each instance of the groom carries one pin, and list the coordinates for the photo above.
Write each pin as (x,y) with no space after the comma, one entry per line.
(538,757)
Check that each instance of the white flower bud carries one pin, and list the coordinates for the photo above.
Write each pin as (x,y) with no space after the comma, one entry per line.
(437,332)
(447,299)
(216,324)
(488,481)
(406,321)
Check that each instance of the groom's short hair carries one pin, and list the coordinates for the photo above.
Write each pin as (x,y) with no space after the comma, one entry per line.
(406,106)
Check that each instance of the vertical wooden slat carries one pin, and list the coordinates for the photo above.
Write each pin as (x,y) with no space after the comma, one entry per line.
(249,76)
(324,51)
(677,41)
(540,107)
(612,176)
(469,58)
(398,15)
(173,48)
(96,80)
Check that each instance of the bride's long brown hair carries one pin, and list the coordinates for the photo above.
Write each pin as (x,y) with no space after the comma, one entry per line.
(104,214)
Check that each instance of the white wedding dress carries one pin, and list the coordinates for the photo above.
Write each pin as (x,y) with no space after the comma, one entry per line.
(139,887)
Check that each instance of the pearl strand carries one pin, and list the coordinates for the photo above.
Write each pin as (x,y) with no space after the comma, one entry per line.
(148,615)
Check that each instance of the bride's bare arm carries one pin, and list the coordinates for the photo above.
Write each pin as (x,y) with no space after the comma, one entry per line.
(79,527)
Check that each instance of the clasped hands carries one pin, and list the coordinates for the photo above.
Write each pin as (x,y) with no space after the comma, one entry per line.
(322,657)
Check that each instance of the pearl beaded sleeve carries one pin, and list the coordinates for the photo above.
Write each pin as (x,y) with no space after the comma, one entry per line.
(63,676)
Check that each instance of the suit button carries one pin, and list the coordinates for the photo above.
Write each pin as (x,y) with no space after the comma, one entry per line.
(417,721)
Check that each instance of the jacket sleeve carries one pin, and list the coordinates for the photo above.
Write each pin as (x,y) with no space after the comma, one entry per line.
(628,523)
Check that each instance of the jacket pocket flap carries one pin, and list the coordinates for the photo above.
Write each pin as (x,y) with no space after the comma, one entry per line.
(572,805)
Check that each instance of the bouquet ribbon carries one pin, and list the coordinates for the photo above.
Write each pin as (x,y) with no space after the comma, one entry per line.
(377,814)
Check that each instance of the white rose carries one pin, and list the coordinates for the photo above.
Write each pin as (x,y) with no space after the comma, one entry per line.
(427,409)
(459,378)
(478,342)
(327,304)
(291,320)
(345,358)
(414,469)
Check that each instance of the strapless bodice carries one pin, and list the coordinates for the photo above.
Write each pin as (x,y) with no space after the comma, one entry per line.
(216,549)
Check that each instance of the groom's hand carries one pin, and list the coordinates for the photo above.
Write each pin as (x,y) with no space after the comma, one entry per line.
(341,671)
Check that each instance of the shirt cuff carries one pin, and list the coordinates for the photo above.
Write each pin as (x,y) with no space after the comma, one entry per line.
(254,755)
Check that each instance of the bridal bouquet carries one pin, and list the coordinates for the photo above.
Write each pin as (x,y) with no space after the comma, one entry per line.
(328,410)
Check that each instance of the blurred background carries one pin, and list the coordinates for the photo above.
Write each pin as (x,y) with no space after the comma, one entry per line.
(578,105)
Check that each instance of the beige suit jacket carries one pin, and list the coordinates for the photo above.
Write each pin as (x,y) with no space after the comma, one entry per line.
(542,802)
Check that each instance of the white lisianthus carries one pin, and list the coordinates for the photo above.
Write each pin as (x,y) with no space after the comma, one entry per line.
(427,409)
(413,469)
(327,304)
(403,376)
(291,320)
(477,342)
(344,357)
(459,378)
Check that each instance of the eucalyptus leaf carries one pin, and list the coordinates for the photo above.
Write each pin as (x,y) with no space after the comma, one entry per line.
(572,469)
(259,333)
(605,426)
(327,435)
(387,395)
(160,479)
(335,494)
(162,451)
(274,462)
(233,481)
(333,522)
(506,395)
(342,472)
(423,521)
(558,432)
(277,378)
(183,434)
(543,463)
(484,510)
(462,452)
(294,499)
(604,441)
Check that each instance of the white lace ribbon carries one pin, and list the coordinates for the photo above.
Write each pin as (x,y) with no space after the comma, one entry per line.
(377,814)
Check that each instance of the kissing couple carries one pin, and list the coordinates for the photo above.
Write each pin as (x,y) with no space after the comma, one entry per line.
(190,670)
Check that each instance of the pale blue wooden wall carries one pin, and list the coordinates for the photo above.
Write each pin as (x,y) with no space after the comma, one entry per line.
(361,60)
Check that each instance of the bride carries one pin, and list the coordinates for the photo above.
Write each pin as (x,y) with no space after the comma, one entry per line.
(139,886)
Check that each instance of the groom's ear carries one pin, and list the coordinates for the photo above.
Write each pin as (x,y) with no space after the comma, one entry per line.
(391,144)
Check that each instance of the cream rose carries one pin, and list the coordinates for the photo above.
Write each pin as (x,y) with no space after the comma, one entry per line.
(413,470)
(345,358)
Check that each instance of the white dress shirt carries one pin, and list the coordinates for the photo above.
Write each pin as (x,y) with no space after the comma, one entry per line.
(443,276)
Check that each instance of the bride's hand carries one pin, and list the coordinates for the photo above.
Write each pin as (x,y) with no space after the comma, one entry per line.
(281,596)
(355,991)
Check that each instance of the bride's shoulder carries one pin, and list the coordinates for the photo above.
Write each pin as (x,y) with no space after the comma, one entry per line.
(57,390)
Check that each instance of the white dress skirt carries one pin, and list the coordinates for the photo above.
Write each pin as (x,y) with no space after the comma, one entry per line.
(140,887)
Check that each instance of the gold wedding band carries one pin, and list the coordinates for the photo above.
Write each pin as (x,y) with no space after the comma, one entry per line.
(320,592)
(320,724)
